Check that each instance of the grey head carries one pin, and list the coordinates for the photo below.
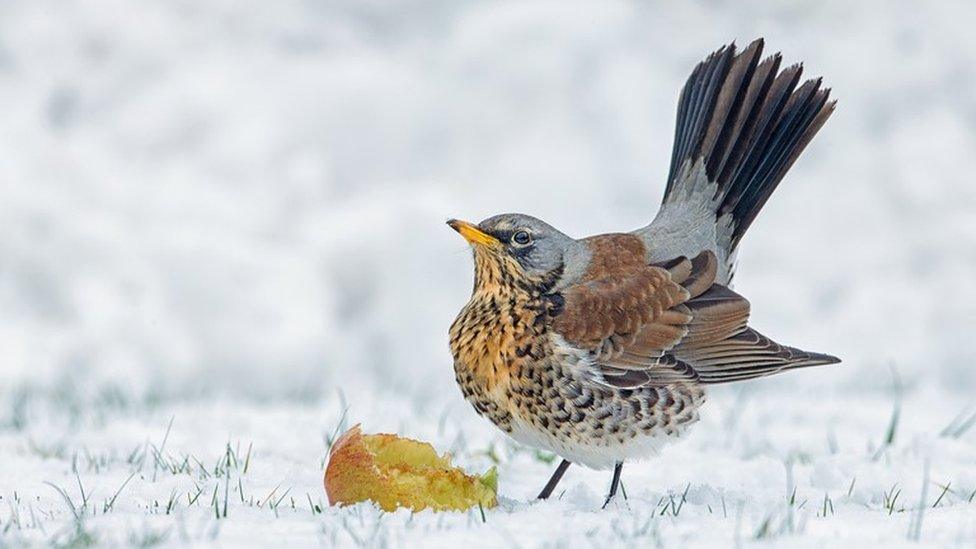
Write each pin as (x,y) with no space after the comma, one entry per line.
(540,250)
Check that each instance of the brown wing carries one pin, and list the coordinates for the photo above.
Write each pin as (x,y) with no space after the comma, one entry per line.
(631,318)
(654,325)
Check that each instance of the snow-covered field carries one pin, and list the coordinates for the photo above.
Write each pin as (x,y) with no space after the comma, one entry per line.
(784,467)
(222,241)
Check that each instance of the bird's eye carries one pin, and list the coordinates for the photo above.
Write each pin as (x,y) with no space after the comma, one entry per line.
(521,238)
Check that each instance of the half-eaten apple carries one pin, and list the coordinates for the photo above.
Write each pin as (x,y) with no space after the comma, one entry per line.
(399,472)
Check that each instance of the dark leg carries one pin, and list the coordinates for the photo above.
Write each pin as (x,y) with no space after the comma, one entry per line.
(614,483)
(554,480)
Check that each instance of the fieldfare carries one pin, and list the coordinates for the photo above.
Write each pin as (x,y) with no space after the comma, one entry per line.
(599,349)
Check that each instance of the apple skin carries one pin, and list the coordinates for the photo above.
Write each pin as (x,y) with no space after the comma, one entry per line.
(399,472)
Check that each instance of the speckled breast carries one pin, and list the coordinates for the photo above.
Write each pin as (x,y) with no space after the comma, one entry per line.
(497,342)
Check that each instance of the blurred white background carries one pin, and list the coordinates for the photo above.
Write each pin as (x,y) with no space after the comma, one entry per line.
(248,197)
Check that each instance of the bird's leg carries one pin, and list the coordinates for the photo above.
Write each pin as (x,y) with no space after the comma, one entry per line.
(554,480)
(614,483)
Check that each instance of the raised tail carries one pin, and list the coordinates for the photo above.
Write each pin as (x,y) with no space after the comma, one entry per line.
(741,124)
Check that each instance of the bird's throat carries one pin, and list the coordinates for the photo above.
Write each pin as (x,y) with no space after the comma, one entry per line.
(496,273)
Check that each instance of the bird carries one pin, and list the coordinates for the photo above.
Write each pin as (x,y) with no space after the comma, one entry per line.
(600,349)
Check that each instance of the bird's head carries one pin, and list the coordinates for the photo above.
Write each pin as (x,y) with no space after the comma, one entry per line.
(515,250)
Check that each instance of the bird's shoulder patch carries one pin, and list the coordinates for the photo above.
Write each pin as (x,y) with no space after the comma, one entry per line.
(614,255)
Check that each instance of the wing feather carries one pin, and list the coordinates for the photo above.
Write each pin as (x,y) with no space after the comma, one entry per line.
(667,323)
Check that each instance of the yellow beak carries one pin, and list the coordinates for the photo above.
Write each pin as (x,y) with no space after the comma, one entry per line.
(472,234)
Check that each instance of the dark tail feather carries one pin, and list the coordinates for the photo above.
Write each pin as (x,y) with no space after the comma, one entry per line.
(748,122)
(748,355)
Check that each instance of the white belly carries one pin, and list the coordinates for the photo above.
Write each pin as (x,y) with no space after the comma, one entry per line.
(599,455)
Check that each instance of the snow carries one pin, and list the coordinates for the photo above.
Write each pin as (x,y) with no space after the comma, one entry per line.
(751,455)
(229,215)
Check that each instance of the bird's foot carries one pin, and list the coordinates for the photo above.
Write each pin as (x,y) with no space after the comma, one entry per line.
(615,502)
(618,467)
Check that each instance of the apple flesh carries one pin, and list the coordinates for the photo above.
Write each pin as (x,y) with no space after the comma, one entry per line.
(399,472)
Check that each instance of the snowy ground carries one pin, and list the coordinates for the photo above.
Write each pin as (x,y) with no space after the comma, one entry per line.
(228,217)
(797,469)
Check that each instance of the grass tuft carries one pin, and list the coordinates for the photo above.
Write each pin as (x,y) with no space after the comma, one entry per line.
(945,489)
(891,431)
(915,526)
(891,499)
(959,425)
